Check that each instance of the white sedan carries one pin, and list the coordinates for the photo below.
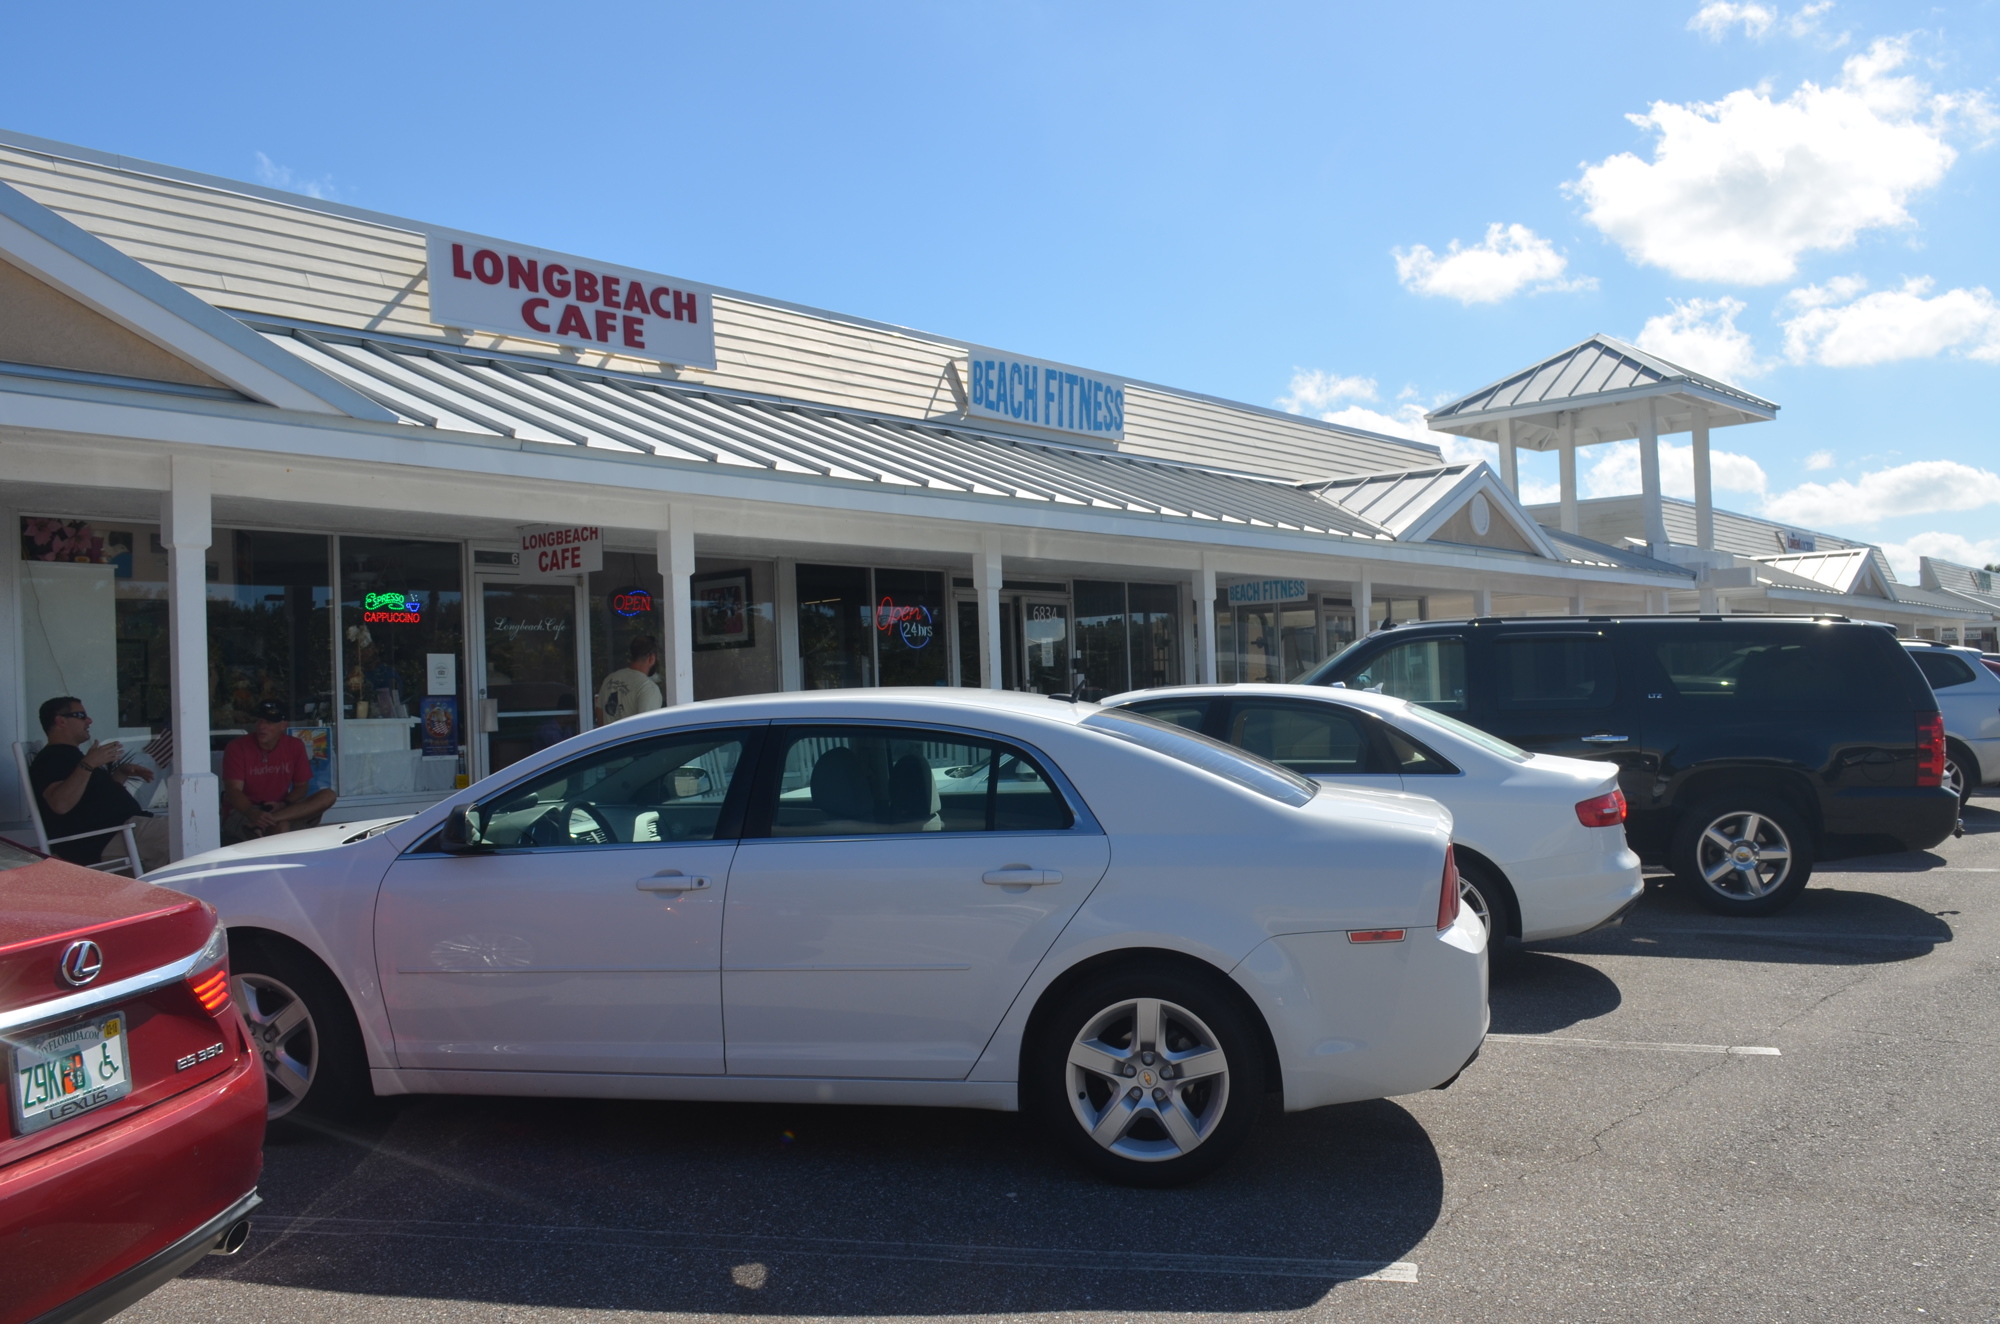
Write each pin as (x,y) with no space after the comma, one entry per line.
(1540,839)
(931,897)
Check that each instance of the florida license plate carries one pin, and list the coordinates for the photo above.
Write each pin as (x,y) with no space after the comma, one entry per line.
(62,1073)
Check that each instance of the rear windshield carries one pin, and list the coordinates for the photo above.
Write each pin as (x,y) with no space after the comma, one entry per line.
(1211,756)
(1942,670)
(1756,669)
(1492,744)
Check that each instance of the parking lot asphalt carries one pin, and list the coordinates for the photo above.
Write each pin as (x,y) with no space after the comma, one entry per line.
(1684,1118)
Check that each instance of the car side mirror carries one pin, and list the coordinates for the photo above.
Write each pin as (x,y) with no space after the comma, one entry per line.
(459,836)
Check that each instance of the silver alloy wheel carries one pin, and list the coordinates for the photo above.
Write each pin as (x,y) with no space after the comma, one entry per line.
(1954,778)
(284,1036)
(1474,900)
(1744,855)
(1147,1080)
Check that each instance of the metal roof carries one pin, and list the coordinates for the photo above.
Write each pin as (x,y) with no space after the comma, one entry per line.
(1601,381)
(535,401)
(1843,571)
(1396,501)
(1583,551)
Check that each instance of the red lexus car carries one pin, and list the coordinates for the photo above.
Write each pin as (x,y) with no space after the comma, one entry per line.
(135,1104)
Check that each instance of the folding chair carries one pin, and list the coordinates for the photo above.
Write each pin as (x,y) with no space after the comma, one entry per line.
(43,841)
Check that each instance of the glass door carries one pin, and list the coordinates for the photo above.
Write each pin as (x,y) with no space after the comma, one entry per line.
(1047,646)
(529,697)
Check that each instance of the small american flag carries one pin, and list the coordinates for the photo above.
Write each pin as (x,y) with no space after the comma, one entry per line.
(160,749)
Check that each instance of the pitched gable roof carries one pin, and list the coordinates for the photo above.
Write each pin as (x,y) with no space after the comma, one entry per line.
(1422,505)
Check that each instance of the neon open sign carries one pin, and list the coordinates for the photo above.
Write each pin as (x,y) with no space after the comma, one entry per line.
(392,609)
(632,602)
(912,624)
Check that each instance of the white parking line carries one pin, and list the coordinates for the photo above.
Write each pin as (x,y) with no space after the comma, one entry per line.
(1791,935)
(1018,1257)
(1736,1050)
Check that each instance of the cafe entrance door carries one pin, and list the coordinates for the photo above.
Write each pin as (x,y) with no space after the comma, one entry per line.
(531,659)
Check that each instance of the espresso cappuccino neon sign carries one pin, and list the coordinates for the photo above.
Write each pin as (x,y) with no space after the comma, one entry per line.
(392,609)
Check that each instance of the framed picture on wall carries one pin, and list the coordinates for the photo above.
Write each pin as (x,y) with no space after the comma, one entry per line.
(722,616)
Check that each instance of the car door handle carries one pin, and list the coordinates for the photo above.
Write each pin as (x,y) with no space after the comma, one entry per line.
(673,880)
(1020,875)
(1603,739)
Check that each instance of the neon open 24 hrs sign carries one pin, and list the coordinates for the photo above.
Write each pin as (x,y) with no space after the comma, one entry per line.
(486,284)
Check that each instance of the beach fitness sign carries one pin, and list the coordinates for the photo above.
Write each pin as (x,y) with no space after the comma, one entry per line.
(485,284)
(1044,395)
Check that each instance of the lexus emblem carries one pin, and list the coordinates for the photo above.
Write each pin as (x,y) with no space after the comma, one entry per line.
(81,962)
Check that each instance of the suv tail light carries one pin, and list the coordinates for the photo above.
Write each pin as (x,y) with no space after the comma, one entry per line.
(1448,892)
(1930,749)
(1602,811)
(209,980)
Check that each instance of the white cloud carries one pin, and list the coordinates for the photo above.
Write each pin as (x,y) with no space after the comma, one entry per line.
(1923,487)
(1945,546)
(1312,389)
(1509,259)
(1714,20)
(1819,460)
(1739,188)
(273,175)
(1616,471)
(1835,328)
(1702,334)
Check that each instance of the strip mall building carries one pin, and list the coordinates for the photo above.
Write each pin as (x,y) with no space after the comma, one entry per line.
(424,487)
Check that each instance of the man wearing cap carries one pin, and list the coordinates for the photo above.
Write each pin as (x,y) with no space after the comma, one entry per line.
(265,779)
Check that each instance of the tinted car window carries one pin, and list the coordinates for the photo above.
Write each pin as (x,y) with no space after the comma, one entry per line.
(1942,670)
(1211,756)
(848,781)
(1573,672)
(1305,737)
(669,788)
(1426,671)
(1412,759)
(1190,713)
(1754,673)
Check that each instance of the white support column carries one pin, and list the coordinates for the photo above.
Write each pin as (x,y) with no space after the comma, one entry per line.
(987,576)
(1364,607)
(1204,619)
(676,555)
(1566,520)
(194,792)
(1656,602)
(1509,466)
(1576,604)
(1704,501)
(785,601)
(1482,602)
(1649,476)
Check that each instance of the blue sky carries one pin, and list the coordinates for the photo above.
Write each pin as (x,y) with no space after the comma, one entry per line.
(1354,211)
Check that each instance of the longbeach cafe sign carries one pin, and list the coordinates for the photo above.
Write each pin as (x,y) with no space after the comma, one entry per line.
(485,284)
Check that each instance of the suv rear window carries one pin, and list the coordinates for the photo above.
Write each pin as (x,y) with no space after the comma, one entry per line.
(1761,671)
(1942,670)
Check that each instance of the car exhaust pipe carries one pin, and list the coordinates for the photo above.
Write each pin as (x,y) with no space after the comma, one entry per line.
(232,1241)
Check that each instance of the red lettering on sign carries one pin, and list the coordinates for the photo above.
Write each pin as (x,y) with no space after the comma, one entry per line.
(553,272)
(684,303)
(607,322)
(572,323)
(458,262)
(528,311)
(658,303)
(521,275)
(611,294)
(487,260)
(635,332)
(586,286)
(635,297)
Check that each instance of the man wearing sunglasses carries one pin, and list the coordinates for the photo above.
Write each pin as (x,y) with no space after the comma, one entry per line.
(85,792)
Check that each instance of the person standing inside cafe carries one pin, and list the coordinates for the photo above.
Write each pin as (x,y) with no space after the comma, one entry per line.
(267,780)
(85,792)
(631,689)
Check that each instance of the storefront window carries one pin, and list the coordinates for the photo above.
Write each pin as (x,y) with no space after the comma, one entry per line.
(624,605)
(1277,642)
(402,617)
(735,629)
(910,643)
(836,638)
(1154,618)
(270,637)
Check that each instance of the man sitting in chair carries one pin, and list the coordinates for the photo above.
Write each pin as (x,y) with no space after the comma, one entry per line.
(265,779)
(79,792)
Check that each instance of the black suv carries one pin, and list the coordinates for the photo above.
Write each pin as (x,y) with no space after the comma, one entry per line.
(1748,747)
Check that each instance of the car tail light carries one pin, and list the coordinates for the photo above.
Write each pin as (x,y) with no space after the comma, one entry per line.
(1448,892)
(209,980)
(1374,935)
(1602,811)
(1930,749)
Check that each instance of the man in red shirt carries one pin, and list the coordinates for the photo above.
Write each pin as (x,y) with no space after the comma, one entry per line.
(265,779)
